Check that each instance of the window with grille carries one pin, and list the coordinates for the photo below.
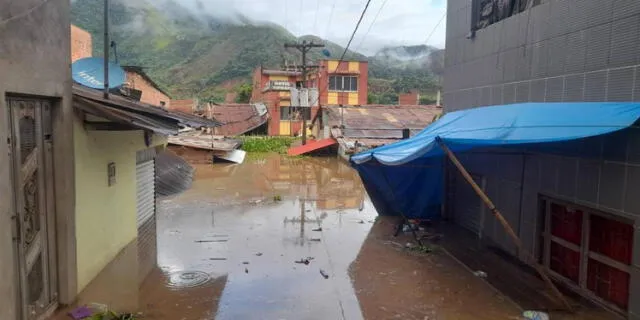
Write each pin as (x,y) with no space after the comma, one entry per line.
(589,249)
(343,83)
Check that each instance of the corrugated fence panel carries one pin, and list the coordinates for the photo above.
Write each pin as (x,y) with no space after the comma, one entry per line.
(146,196)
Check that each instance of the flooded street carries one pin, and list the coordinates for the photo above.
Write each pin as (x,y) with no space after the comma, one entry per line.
(251,223)
(284,238)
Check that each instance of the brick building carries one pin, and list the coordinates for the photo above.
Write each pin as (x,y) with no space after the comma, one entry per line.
(409,99)
(333,84)
(343,84)
(576,209)
(81,44)
(152,94)
(136,78)
(273,88)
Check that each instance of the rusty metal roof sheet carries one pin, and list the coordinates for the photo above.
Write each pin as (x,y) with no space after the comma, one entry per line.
(379,121)
(200,140)
(136,114)
(238,119)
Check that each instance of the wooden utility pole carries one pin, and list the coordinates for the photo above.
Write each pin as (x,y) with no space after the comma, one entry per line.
(304,47)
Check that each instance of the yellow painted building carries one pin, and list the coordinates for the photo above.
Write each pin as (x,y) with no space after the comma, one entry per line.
(105,215)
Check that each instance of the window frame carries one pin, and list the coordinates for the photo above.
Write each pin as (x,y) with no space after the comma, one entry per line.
(347,82)
(583,249)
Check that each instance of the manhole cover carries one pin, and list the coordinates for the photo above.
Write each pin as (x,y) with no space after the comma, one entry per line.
(188,279)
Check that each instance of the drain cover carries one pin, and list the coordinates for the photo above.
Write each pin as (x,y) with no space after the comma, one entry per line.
(188,279)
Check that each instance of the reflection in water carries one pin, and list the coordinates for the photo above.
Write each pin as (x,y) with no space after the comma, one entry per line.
(269,209)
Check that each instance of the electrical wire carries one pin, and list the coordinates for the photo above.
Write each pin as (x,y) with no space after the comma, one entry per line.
(346,49)
(315,19)
(436,27)
(370,26)
(333,6)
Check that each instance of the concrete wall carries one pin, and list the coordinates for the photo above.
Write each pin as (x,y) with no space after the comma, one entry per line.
(81,44)
(559,50)
(34,59)
(105,216)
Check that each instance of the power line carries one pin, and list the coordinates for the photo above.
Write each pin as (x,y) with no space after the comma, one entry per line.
(333,6)
(315,19)
(436,27)
(354,32)
(364,11)
(371,25)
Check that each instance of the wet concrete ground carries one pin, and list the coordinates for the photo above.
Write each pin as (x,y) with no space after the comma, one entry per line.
(227,249)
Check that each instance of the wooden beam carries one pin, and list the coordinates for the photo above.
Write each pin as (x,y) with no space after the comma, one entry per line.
(505,224)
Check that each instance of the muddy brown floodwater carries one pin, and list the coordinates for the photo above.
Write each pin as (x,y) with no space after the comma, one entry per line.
(282,238)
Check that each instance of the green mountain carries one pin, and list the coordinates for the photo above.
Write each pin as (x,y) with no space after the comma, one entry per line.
(196,54)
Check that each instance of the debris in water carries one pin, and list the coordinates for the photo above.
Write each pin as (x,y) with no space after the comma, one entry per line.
(317,229)
(277,198)
(246,270)
(256,202)
(315,239)
(259,254)
(409,245)
(308,210)
(205,241)
(324,274)
(361,222)
(81,313)
(305,261)
(217,259)
(481,274)
(535,315)
(245,262)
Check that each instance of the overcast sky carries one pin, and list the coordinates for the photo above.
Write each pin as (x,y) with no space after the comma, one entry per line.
(401,22)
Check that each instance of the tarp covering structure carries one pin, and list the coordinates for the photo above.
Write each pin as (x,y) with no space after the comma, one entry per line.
(407,177)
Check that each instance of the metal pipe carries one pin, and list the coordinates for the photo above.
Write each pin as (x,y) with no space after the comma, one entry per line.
(107,42)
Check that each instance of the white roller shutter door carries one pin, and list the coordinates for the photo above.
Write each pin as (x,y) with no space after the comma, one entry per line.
(146,191)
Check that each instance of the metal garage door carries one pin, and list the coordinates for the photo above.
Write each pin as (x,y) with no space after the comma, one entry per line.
(469,209)
(146,190)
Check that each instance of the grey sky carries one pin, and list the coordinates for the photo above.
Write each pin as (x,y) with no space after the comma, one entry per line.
(401,22)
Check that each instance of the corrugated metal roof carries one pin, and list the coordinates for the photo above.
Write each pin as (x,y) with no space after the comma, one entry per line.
(204,141)
(239,118)
(281,73)
(140,115)
(376,125)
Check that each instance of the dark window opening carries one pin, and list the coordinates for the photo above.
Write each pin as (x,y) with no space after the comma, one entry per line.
(487,12)
(295,113)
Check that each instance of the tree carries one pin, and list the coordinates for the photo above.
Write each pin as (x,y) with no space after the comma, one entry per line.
(244,93)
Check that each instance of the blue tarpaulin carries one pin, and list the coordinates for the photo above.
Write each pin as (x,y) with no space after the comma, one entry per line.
(407,176)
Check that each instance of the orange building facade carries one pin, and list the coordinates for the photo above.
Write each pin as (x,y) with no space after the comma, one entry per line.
(344,83)
(273,88)
(81,44)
